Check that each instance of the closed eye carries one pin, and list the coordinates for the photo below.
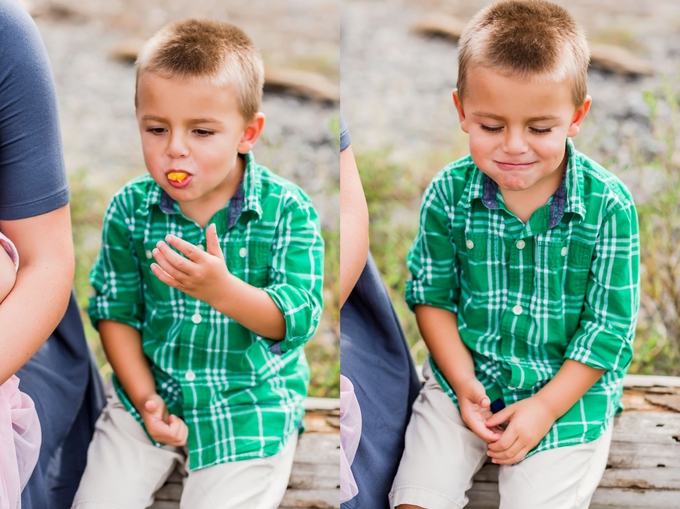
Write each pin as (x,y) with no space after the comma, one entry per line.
(491,129)
(540,130)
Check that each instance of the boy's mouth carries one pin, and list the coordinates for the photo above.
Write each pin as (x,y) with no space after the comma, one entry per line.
(178,178)
(513,166)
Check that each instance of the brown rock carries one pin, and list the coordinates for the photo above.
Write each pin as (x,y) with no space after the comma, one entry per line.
(439,24)
(302,83)
(618,60)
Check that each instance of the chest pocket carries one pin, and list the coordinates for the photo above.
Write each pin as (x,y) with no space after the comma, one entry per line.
(563,267)
(249,261)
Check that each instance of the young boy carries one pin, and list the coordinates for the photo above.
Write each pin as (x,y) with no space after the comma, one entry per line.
(205,341)
(524,279)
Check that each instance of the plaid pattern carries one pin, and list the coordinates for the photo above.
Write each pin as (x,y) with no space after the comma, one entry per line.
(240,394)
(527,297)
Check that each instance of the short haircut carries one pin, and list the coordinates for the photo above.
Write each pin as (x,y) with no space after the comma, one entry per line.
(531,39)
(196,49)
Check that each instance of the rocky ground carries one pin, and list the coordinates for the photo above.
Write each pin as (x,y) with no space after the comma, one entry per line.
(396,84)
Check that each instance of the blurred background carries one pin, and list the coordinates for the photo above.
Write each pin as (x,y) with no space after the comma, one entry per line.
(92,45)
(397,78)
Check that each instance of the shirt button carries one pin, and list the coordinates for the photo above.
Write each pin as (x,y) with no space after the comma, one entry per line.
(470,244)
(190,376)
(564,251)
(517,310)
(242,252)
(514,360)
(197,318)
(520,244)
(149,255)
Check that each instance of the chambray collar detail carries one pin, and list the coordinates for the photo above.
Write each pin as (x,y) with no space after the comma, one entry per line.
(247,196)
(567,198)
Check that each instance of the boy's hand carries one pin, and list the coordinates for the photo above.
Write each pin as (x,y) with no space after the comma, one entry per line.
(202,274)
(164,428)
(528,421)
(475,409)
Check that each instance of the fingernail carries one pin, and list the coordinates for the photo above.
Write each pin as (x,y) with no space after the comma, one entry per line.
(168,238)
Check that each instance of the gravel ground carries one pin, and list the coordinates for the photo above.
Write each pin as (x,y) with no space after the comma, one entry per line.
(96,91)
(396,85)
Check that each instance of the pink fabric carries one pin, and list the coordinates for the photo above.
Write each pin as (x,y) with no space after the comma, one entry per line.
(11,250)
(20,438)
(350,434)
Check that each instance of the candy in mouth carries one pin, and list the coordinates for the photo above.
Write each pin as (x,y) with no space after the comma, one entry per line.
(177,176)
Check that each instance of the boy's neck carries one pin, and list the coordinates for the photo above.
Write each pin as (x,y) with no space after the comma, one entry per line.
(201,211)
(527,201)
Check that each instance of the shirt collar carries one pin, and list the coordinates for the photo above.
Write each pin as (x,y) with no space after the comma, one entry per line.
(247,196)
(567,198)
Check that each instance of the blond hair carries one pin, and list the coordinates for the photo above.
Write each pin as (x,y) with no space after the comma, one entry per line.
(196,49)
(532,39)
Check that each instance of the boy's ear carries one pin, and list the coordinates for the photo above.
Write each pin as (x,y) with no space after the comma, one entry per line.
(579,117)
(251,133)
(461,111)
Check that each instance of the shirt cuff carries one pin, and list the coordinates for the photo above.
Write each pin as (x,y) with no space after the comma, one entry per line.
(127,313)
(300,311)
(601,348)
(418,292)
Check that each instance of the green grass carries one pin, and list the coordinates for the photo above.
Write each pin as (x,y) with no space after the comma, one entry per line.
(88,204)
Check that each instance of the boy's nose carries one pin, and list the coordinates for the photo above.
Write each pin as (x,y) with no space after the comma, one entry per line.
(514,142)
(177,146)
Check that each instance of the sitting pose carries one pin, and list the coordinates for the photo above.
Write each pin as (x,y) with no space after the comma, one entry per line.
(524,279)
(208,283)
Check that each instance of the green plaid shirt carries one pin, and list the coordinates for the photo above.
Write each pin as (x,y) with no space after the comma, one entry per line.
(529,296)
(240,394)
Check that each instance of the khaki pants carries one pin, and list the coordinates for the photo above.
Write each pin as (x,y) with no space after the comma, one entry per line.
(124,470)
(442,455)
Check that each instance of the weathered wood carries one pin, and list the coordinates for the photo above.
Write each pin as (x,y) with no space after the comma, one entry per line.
(302,83)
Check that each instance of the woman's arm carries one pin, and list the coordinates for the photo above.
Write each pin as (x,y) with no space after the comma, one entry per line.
(38,301)
(353,225)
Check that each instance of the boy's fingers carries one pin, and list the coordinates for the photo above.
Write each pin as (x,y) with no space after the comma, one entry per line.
(171,262)
(515,459)
(213,243)
(178,430)
(484,433)
(164,277)
(508,438)
(504,448)
(189,250)
(500,417)
(484,402)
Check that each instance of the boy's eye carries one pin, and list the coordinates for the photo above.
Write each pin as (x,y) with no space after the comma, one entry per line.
(491,129)
(203,132)
(540,130)
(156,130)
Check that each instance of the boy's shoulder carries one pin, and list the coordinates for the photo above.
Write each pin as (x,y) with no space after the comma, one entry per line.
(279,191)
(602,190)
(457,179)
(136,190)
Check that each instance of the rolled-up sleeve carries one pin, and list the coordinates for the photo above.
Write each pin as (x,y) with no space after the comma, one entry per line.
(296,271)
(604,339)
(432,260)
(115,275)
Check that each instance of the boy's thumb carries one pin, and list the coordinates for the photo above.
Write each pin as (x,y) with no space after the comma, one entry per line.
(212,242)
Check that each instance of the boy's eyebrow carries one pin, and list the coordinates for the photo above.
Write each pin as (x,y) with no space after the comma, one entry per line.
(498,117)
(206,120)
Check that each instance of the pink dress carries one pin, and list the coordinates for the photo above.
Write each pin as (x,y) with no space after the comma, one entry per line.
(20,434)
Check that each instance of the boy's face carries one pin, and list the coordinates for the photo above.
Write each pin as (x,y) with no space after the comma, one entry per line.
(192,133)
(518,128)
